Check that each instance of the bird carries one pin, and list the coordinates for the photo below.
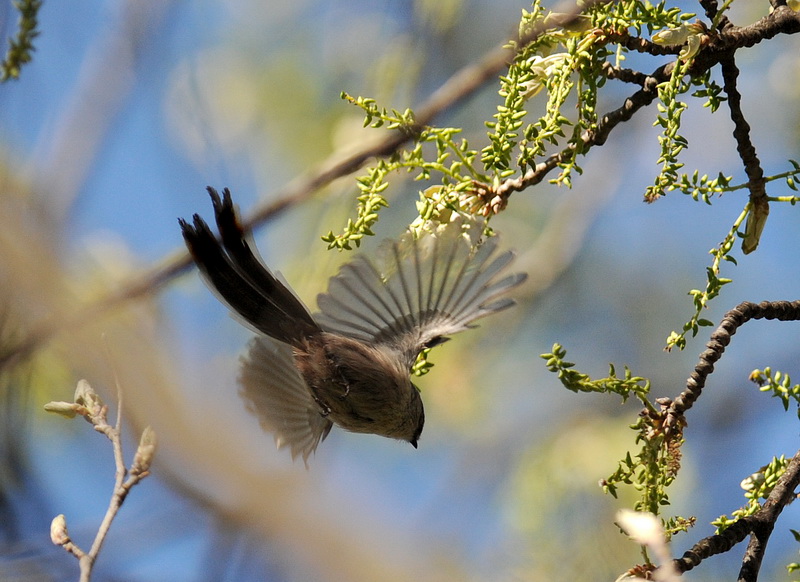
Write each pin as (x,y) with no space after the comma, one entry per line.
(350,363)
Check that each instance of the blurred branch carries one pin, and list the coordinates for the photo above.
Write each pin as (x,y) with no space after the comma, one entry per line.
(457,88)
(106,79)
(88,404)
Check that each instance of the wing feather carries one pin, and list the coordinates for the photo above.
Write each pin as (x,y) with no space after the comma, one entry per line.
(276,393)
(421,290)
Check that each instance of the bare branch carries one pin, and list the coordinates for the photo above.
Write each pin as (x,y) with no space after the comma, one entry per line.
(782,20)
(741,132)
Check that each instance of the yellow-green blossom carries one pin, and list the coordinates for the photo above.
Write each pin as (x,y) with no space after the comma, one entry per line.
(688,35)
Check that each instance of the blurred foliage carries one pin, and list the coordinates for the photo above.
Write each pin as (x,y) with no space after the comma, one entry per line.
(20,48)
(556,481)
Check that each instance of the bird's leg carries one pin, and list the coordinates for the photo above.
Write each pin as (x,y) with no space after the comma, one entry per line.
(325,410)
(334,361)
(345,382)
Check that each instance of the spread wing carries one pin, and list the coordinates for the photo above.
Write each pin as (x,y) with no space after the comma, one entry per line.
(425,289)
(276,393)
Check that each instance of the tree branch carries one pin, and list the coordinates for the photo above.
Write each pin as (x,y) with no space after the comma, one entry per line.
(741,131)
(759,526)
(733,319)
(590,138)
(763,522)
(782,20)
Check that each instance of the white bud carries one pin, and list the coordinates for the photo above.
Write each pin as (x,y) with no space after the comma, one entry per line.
(690,35)
(58,530)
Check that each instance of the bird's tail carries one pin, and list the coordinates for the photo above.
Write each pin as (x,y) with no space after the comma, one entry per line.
(242,281)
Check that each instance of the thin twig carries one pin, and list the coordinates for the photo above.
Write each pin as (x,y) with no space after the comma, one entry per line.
(741,131)
(87,403)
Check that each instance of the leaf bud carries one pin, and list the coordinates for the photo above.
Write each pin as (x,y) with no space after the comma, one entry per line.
(66,409)
(86,396)
(58,530)
(145,452)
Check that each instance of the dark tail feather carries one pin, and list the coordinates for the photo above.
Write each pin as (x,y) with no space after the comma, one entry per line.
(243,283)
(246,262)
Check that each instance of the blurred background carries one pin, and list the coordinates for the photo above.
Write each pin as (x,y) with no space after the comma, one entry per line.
(130,109)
